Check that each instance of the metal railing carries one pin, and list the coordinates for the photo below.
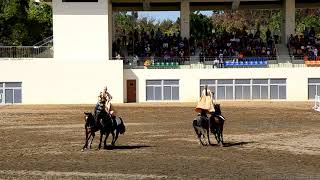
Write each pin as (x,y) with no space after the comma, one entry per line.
(305,58)
(176,62)
(46,42)
(26,52)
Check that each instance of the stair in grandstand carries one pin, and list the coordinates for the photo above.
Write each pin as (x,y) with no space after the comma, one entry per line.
(283,53)
(45,48)
(284,59)
(46,42)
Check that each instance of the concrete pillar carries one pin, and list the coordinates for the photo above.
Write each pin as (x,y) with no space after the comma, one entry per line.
(80,31)
(113,25)
(289,20)
(185,19)
(110,28)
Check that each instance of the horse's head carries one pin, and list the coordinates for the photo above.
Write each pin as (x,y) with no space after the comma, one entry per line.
(88,119)
(217,109)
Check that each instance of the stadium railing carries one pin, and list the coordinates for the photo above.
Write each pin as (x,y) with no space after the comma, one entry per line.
(12,52)
(176,62)
(308,61)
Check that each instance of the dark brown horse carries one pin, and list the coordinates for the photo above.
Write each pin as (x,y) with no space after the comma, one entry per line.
(214,124)
(90,129)
(105,125)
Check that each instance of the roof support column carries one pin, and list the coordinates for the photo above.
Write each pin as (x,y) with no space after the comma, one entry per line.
(235,4)
(110,28)
(185,18)
(289,20)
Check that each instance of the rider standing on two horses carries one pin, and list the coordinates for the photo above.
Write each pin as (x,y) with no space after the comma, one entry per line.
(104,105)
(205,105)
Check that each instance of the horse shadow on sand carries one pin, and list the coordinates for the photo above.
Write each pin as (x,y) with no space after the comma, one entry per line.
(232,144)
(126,147)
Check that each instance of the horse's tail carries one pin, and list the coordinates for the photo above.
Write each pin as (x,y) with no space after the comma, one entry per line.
(122,128)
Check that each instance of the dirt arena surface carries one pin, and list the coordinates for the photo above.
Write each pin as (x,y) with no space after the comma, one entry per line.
(264,140)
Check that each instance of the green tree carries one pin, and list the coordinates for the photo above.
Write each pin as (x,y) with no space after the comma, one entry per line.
(200,25)
(307,18)
(250,19)
(39,21)
(130,22)
(24,22)
(14,16)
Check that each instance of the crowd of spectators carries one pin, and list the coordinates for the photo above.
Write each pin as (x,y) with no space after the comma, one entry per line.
(158,45)
(304,46)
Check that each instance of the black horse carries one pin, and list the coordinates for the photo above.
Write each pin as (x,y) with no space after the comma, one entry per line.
(105,124)
(214,124)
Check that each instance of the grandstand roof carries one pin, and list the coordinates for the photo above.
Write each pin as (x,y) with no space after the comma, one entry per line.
(163,5)
(174,5)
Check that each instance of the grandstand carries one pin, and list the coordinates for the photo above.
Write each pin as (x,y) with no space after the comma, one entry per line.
(84,59)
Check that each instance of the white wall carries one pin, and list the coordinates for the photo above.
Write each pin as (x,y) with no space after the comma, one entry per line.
(47,81)
(80,30)
(297,79)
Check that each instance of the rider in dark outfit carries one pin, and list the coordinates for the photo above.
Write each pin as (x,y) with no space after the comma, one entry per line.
(103,107)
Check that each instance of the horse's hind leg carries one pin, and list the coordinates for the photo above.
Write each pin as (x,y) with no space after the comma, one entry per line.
(115,137)
(208,136)
(199,134)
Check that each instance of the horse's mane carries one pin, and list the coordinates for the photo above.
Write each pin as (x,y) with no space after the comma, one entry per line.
(90,118)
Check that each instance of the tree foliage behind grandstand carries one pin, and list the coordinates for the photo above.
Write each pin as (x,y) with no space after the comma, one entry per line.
(24,22)
(230,21)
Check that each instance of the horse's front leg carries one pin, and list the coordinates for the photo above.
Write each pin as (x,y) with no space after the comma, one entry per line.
(221,135)
(216,134)
(222,132)
(198,133)
(208,132)
(86,142)
(87,138)
(93,135)
(101,134)
(105,140)
(86,132)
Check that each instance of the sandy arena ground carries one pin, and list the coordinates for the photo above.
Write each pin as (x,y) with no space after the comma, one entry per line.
(264,140)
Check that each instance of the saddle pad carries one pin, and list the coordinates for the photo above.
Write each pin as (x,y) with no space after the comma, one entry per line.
(222,117)
(118,120)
